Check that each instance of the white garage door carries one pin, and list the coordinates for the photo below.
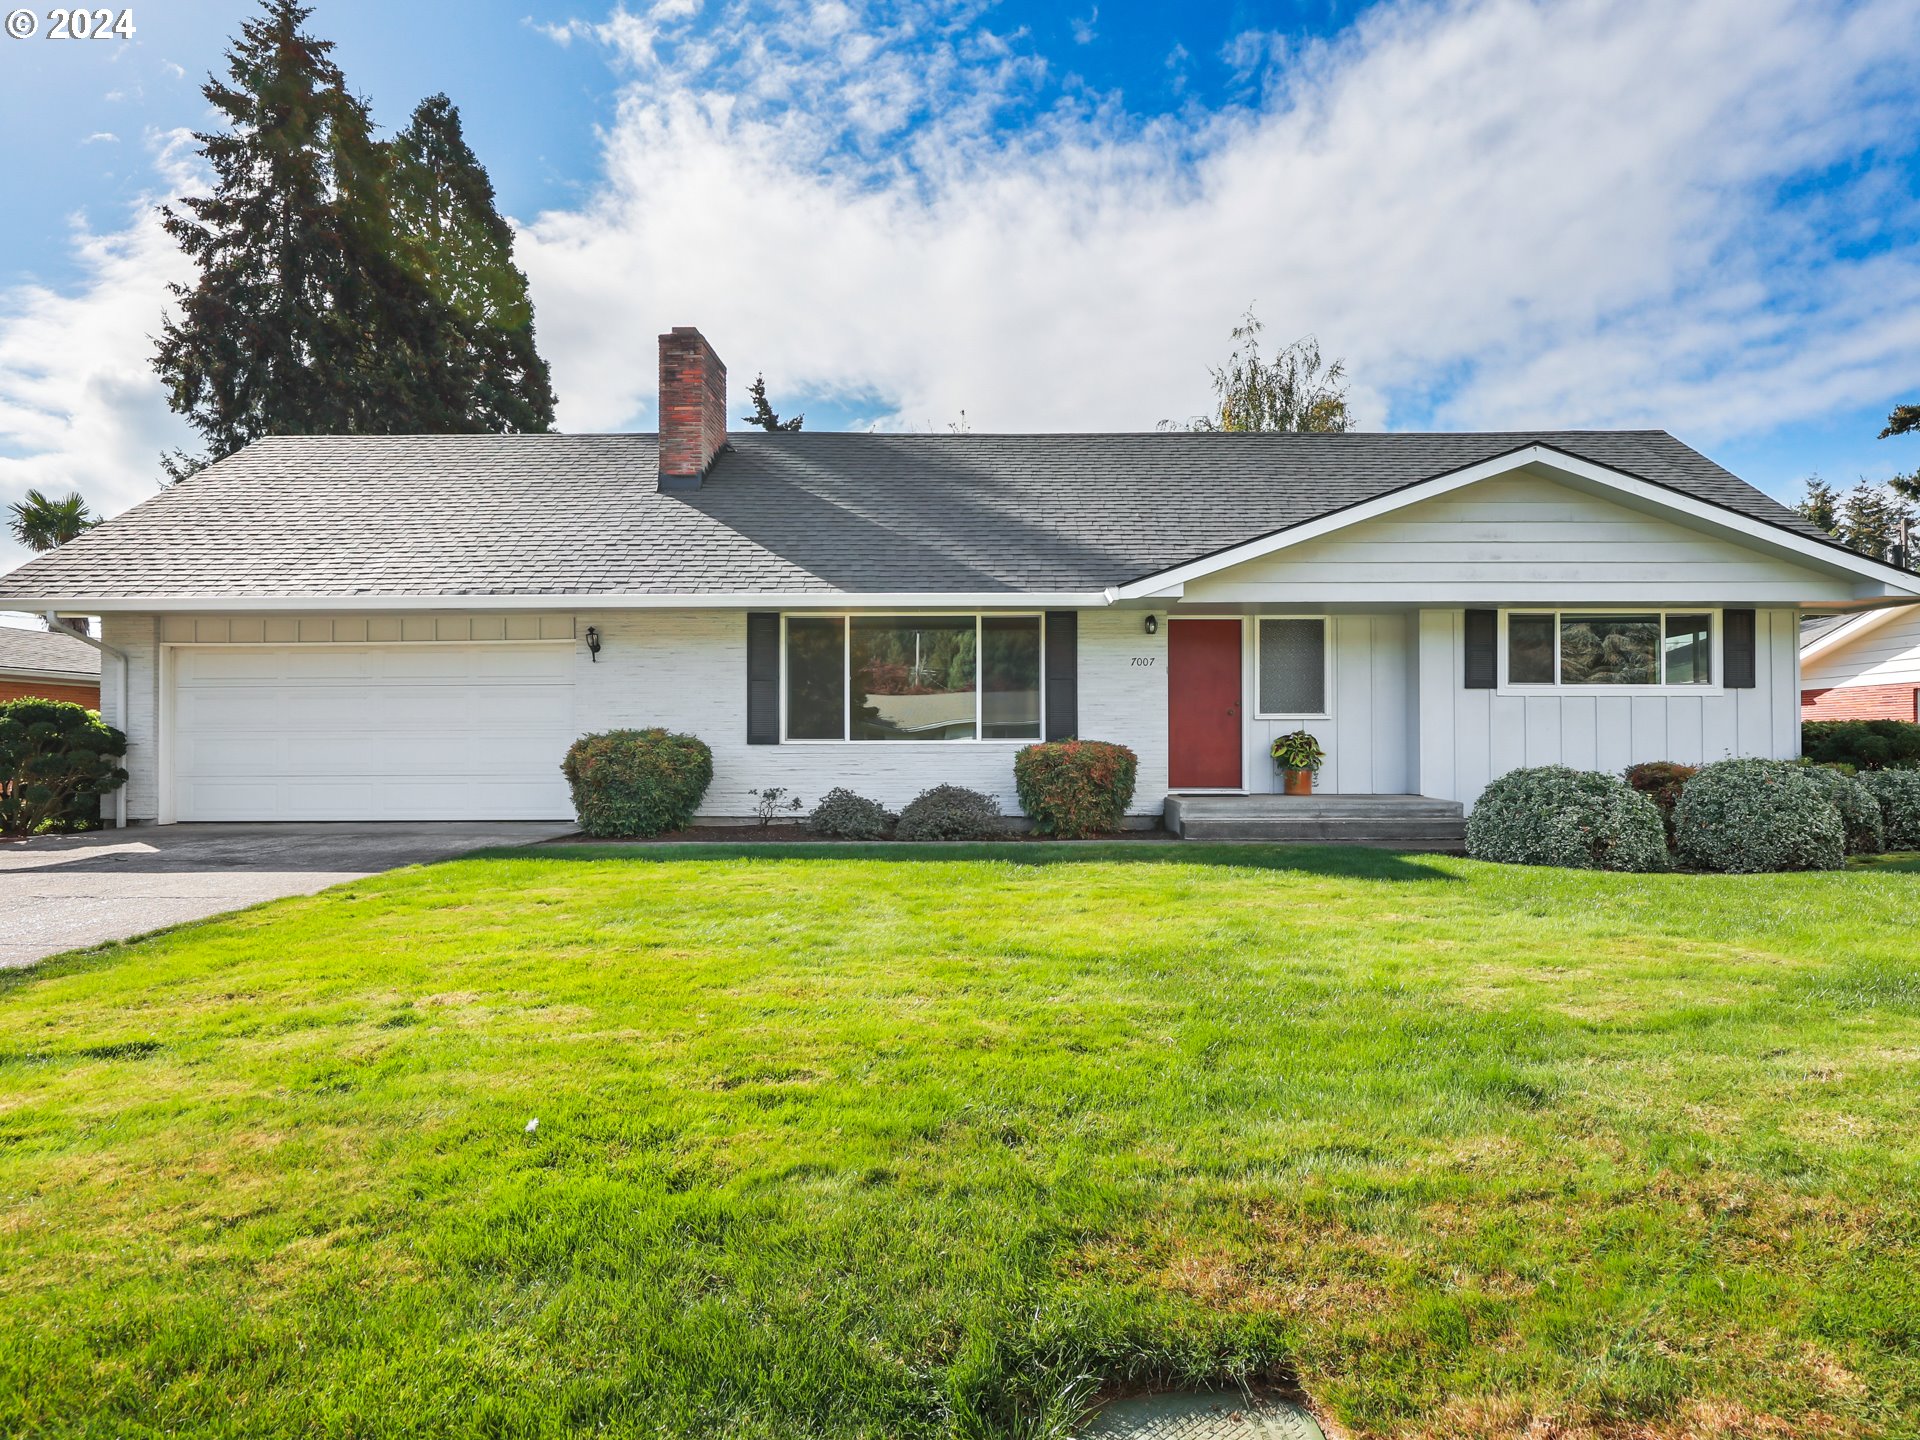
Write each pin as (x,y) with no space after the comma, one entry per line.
(401,732)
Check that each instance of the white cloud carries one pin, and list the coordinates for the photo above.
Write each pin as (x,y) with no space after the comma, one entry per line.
(1502,213)
(80,409)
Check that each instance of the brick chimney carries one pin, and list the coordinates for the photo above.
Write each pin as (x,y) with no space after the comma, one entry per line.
(693,408)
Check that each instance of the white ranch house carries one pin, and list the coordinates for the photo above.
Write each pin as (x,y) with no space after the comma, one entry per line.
(416,627)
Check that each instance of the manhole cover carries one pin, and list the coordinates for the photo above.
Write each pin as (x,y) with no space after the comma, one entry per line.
(1207,1415)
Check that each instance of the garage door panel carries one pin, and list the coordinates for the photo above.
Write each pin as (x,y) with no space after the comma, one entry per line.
(521,666)
(381,733)
(522,708)
(258,708)
(316,665)
(246,757)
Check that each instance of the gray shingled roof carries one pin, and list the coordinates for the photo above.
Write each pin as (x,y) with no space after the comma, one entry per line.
(41,652)
(580,514)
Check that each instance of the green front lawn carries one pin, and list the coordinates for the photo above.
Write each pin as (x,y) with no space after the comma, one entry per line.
(941,1143)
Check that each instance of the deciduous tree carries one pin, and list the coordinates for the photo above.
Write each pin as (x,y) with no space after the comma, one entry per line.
(1297,390)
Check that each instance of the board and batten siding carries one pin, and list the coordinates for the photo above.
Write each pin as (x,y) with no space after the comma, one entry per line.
(1368,741)
(1888,654)
(1467,737)
(1518,539)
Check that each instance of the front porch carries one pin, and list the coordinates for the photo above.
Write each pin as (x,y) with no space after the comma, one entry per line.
(1397,822)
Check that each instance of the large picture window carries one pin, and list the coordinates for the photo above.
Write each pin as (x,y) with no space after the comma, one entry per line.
(913,677)
(1642,648)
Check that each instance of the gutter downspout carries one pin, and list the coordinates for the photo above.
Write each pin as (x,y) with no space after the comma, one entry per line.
(55,623)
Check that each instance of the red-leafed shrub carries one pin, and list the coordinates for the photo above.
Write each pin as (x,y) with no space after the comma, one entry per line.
(1075,788)
(1660,781)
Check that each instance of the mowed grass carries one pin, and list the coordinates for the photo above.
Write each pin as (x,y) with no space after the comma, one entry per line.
(946,1142)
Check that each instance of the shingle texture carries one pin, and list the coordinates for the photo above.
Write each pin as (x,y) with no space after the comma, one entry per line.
(40,652)
(435,515)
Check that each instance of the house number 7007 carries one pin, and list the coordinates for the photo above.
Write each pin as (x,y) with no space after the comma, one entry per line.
(1140,660)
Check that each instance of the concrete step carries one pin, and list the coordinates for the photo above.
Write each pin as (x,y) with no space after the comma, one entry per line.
(1293,805)
(1416,822)
(1300,834)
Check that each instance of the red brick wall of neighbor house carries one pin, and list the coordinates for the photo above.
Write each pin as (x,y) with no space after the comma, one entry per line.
(87,695)
(1861,702)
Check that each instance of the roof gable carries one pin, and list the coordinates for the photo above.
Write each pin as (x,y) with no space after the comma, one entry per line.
(1707,515)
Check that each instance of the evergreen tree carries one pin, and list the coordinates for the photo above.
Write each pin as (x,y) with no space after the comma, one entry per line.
(1867,518)
(1821,505)
(764,414)
(1870,518)
(269,339)
(346,286)
(453,241)
(1905,420)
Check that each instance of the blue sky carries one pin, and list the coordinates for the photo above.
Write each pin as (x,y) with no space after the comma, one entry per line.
(1703,216)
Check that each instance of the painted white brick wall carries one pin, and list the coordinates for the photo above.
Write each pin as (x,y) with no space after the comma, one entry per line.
(136,636)
(687,670)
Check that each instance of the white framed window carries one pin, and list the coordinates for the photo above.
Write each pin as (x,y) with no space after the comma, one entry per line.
(1611,650)
(1293,667)
(933,676)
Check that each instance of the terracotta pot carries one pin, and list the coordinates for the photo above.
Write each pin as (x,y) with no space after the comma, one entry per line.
(1298,782)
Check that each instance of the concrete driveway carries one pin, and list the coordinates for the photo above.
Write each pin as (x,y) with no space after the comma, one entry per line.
(61,892)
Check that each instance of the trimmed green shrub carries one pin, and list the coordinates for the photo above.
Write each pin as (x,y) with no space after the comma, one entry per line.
(843,815)
(1898,792)
(951,812)
(637,782)
(1660,782)
(1747,816)
(1857,806)
(1075,788)
(1580,819)
(56,760)
(1863,744)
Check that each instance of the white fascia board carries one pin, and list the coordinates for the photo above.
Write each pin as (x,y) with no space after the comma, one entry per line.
(1658,497)
(825,600)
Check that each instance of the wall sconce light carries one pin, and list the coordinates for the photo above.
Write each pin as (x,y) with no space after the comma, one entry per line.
(593,643)
(1153,624)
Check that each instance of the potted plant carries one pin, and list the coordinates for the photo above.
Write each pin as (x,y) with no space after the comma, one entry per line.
(1296,755)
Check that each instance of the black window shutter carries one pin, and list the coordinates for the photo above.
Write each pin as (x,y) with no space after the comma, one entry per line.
(1483,644)
(763,678)
(1737,643)
(1063,674)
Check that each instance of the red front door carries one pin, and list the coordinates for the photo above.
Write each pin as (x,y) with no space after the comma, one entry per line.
(1203,704)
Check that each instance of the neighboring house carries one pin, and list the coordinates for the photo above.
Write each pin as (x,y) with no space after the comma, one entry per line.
(416,626)
(37,664)
(1861,667)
